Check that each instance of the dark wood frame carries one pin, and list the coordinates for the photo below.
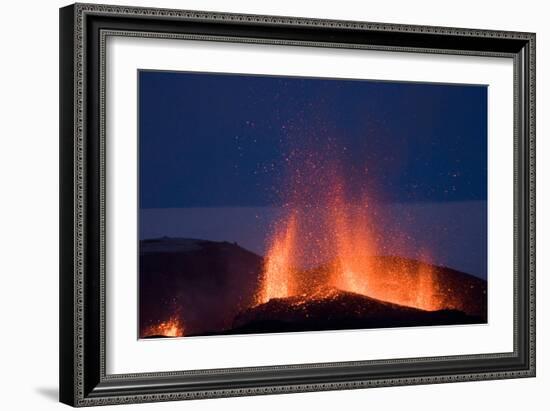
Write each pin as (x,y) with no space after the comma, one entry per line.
(83,29)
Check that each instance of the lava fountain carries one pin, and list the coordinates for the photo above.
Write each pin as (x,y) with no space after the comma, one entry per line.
(278,279)
(172,327)
(346,243)
(355,245)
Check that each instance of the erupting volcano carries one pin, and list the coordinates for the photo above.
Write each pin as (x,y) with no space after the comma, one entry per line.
(354,268)
(328,240)
(286,203)
(329,264)
(347,283)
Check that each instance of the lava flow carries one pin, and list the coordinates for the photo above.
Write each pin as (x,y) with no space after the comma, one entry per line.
(173,327)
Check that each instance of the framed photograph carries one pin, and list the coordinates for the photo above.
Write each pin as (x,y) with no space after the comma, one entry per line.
(261,204)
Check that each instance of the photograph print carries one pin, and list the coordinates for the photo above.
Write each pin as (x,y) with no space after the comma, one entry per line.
(277,204)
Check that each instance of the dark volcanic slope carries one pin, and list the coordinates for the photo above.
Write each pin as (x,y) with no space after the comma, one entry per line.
(398,276)
(206,282)
(211,287)
(336,309)
(456,289)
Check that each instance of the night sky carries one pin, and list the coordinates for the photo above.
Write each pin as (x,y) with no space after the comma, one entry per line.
(215,149)
(220,140)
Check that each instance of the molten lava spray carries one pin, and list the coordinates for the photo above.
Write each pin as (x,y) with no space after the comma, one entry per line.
(355,246)
(278,276)
(343,240)
(173,327)
(426,288)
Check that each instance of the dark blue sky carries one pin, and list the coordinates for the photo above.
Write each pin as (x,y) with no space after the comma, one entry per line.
(218,140)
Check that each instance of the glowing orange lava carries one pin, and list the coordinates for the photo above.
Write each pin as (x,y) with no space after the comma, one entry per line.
(405,282)
(173,327)
(355,246)
(347,239)
(278,278)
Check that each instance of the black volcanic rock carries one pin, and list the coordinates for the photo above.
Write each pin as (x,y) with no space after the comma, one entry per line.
(206,283)
(333,309)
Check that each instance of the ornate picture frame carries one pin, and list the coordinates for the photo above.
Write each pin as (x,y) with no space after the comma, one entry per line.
(84,378)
